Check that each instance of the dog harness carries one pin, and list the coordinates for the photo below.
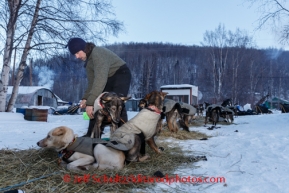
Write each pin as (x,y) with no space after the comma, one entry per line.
(189,109)
(144,122)
(86,145)
(65,154)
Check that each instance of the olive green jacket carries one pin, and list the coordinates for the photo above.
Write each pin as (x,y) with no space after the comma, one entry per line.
(101,64)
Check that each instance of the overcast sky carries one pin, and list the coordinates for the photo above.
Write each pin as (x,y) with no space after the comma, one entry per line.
(185,21)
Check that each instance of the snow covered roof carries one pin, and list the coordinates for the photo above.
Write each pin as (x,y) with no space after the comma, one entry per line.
(177,89)
(178,86)
(59,100)
(26,89)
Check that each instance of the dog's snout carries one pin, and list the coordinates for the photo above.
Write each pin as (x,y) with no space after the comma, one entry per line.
(41,143)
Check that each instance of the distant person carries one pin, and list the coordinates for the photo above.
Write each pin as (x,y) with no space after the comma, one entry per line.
(106,72)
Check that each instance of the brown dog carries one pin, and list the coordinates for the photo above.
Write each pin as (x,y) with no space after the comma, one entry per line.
(185,121)
(142,103)
(200,109)
(212,114)
(171,118)
(107,109)
(175,111)
(142,128)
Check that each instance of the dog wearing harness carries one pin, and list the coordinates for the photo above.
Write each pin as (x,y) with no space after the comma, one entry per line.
(143,127)
(107,110)
(81,153)
(178,112)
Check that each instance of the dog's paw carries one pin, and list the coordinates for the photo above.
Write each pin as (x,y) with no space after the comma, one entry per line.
(76,168)
(71,167)
(95,165)
(63,164)
(143,158)
(84,168)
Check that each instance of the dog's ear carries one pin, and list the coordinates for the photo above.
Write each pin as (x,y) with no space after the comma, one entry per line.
(147,96)
(106,99)
(59,131)
(124,99)
(164,94)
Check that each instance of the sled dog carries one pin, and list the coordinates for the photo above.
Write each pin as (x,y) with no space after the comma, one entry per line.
(81,153)
(107,110)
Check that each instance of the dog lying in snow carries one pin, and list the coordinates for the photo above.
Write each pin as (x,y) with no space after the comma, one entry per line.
(81,152)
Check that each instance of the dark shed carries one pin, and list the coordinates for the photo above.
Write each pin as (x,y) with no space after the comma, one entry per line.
(33,96)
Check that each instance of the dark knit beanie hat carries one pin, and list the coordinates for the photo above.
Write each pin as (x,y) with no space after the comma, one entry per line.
(75,45)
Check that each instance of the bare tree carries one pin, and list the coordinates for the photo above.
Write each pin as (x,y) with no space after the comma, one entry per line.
(274,13)
(239,41)
(222,57)
(218,42)
(42,28)
(11,7)
(22,64)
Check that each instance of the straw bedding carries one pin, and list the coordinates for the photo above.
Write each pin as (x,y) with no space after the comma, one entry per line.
(36,170)
(26,165)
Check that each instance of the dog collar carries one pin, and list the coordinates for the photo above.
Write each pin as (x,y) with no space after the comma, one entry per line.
(154,108)
(100,104)
(64,155)
(99,101)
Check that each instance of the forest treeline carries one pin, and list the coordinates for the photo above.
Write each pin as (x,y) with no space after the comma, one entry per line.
(240,73)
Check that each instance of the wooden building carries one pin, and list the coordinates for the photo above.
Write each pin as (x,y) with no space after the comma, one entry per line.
(33,96)
(182,93)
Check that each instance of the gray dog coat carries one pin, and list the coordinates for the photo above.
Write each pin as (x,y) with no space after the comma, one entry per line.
(169,104)
(144,122)
(86,145)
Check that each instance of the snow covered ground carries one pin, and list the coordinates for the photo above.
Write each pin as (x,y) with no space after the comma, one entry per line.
(252,155)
